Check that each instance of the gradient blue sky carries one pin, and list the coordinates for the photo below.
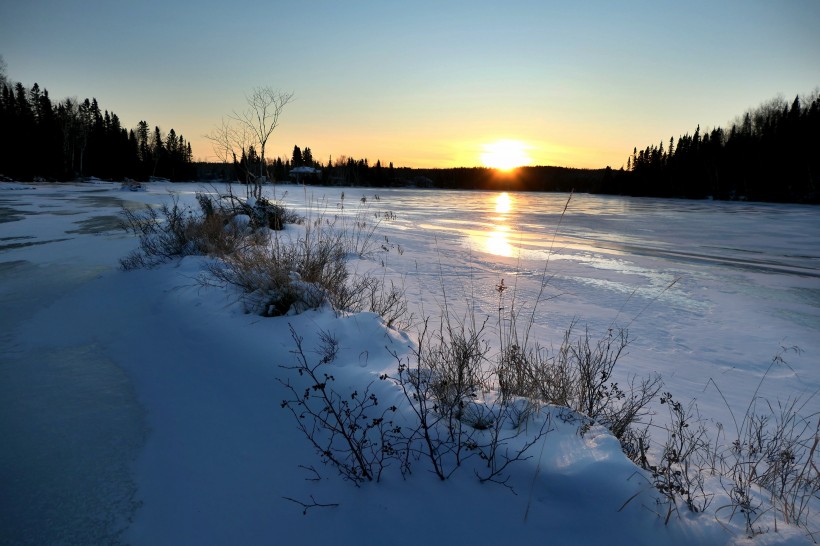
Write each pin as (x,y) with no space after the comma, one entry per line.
(424,83)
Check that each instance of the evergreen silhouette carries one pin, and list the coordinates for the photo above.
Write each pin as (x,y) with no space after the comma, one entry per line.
(71,139)
(768,154)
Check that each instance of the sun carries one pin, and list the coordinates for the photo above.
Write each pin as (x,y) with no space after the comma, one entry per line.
(505,155)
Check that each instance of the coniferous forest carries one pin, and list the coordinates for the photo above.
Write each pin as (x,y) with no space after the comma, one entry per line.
(72,138)
(348,171)
(771,153)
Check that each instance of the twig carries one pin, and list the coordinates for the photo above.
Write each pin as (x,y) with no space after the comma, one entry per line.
(316,477)
(313,504)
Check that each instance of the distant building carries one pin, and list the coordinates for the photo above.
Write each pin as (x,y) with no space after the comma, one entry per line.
(304,172)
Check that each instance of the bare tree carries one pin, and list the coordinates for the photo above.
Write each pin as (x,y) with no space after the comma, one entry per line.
(228,141)
(265,105)
(222,141)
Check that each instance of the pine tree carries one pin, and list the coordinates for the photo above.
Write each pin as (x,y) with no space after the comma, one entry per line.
(157,151)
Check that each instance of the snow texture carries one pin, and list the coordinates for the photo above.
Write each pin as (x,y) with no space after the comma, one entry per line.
(145,408)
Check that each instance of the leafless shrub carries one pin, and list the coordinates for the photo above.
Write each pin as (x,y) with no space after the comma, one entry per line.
(366,292)
(305,272)
(163,234)
(273,215)
(774,455)
(790,450)
(579,376)
(439,384)
(455,355)
(350,431)
(431,436)
(679,473)
(503,420)
(595,390)
(389,303)
(359,227)
(304,269)
(457,414)
(775,450)
(172,230)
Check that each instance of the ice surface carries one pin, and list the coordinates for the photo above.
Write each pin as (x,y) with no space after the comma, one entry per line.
(143,402)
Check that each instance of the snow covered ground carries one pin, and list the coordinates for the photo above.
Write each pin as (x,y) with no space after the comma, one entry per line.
(144,408)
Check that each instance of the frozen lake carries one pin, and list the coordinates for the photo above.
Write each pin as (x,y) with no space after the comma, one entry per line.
(708,290)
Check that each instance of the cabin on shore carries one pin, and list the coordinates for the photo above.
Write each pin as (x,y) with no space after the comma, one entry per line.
(309,173)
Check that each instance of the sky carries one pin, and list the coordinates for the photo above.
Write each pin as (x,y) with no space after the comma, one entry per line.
(427,83)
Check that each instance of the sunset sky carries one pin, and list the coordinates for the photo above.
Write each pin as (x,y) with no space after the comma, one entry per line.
(424,83)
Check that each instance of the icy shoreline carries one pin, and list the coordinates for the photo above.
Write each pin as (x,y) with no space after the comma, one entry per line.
(220,455)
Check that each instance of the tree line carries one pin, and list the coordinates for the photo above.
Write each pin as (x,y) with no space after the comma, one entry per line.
(350,171)
(770,153)
(72,138)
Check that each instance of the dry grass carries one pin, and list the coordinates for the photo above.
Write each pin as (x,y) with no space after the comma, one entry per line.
(276,271)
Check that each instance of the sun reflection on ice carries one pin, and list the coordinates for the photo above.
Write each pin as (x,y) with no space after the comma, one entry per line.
(496,239)
(503,203)
(497,242)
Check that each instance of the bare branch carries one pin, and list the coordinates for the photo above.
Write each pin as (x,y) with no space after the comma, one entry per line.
(265,105)
(222,141)
(312,504)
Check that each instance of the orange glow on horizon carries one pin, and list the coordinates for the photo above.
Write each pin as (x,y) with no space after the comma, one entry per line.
(418,152)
